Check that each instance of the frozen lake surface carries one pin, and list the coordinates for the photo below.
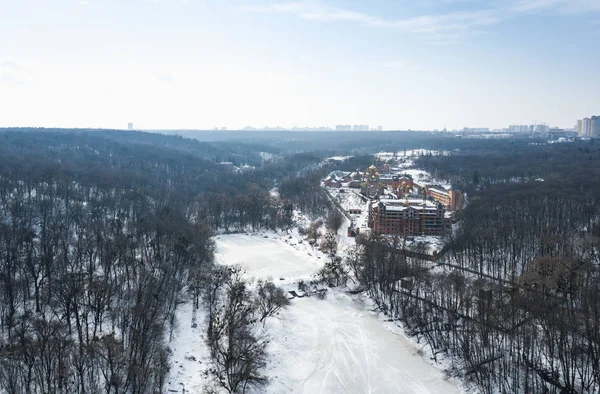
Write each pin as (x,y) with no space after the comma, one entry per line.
(335,345)
(274,257)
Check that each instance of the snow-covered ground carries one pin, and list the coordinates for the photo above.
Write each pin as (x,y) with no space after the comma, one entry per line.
(336,345)
(424,178)
(422,243)
(348,199)
(421,152)
(338,158)
(266,156)
(190,358)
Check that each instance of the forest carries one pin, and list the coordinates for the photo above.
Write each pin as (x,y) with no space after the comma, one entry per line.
(103,232)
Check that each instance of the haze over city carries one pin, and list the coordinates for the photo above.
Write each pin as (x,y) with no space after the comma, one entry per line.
(204,64)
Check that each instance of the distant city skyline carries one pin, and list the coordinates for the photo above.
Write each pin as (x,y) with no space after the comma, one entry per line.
(191,64)
(527,128)
(589,127)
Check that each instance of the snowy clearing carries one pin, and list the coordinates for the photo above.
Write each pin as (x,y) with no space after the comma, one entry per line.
(348,198)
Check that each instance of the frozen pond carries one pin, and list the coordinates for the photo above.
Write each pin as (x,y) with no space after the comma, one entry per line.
(336,346)
(273,257)
(333,345)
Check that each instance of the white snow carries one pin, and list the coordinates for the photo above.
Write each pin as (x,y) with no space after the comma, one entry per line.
(270,257)
(422,152)
(336,346)
(190,359)
(338,158)
(433,244)
(266,156)
(348,199)
(424,178)
(384,155)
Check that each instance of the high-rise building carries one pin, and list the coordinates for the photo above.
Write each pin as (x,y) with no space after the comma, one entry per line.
(580,127)
(584,127)
(360,127)
(343,127)
(129,126)
(520,128)
(595,126)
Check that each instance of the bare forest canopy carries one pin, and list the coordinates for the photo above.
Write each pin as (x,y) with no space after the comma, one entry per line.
(575,166)
(102,232)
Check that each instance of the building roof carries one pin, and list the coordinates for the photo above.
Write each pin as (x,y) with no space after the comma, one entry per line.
(415,203)
(433,189)
(396,176)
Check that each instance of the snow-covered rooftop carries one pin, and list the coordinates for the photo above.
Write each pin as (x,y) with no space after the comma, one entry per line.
(400,205)
(437,190)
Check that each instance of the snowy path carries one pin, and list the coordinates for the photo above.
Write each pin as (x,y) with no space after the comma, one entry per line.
(190,358)
(327,346)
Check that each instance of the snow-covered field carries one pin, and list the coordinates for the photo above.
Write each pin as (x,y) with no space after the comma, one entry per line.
(335,345)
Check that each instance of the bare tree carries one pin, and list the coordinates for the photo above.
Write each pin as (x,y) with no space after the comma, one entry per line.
(335,219)
(237,349)
(329,243)
(269,299)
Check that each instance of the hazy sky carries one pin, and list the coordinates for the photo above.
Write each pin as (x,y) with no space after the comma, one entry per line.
(418,64)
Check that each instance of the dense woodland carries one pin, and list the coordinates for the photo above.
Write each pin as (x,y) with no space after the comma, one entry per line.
(104,233)
(101,235)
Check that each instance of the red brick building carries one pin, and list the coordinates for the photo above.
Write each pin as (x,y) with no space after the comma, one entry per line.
(452,199)
(408,217)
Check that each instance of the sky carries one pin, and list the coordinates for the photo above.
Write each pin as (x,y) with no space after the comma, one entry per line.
(199,64)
